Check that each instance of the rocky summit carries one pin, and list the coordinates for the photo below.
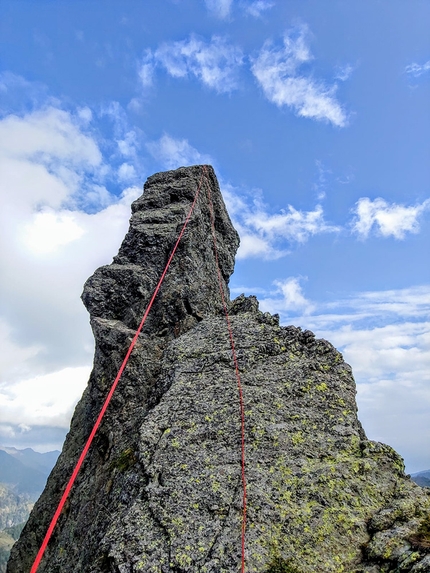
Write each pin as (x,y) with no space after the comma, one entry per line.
(160,490)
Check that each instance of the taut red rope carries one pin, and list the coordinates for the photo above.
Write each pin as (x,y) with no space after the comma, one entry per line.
(109,396)
(236,368)
(124,363)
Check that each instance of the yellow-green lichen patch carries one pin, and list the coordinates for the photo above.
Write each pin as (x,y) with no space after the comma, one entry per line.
(321,387)
(279,565)
(125,460)
(297,438)
(421,539)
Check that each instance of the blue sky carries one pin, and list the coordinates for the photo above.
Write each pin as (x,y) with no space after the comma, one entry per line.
(315,115)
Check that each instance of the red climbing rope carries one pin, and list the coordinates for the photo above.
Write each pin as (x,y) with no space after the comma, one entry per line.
(112,390)
(236,368)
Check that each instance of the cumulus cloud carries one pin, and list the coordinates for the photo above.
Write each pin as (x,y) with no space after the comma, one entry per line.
(387,350)
(46,400)
(127,172)
(214,63)
(55,251)
(50,230)
(290,224)
(386,219)
(253,246)
(277,70)
(266,235)
(43,156)
(52,169)
(288,296)
(49,134)
(417,70)
(173,153)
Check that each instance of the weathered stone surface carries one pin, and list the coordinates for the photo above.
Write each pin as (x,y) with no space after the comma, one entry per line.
(161,488)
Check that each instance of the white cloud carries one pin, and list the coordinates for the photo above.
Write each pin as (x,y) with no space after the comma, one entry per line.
(409,302)
(123,143)
(50,230)
(214,63)
(48,168)
(220,8)
(391,365)
(262,233)
(127,172)
(257,7)
(277,72)
(146,69)
(290,224)
(252,243)
(396,412)
(14,355)
(8,81)
(253,246)
(46,400)
(292,297)
(389,350)
(49,135)
(173,153)
(85,114)
(387,219)
(127,145)
(46,161)
(50,254)
(417,70)
(49,316)
(322,181)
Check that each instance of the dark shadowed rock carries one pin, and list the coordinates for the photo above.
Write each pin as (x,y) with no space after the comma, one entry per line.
(160,490)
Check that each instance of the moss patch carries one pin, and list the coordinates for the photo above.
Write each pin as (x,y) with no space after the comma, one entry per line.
(125,460)
(280,565)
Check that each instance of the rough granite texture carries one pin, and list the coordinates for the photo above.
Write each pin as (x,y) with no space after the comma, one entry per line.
(160,490)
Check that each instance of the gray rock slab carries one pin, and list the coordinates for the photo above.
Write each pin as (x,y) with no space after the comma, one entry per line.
(160,490)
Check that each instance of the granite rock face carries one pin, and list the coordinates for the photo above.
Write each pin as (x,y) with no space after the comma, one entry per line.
(160,490)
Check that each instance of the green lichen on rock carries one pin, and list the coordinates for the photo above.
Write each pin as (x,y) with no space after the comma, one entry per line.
(322,498)
(421,539)
(125,460)
(280,565)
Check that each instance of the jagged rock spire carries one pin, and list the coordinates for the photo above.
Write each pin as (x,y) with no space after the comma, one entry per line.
(160,490)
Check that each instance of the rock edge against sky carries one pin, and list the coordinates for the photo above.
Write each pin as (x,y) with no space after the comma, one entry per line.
(160,489)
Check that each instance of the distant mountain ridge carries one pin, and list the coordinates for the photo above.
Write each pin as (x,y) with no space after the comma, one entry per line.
(43,462)
(422,478)
(25,471)
(23,475)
